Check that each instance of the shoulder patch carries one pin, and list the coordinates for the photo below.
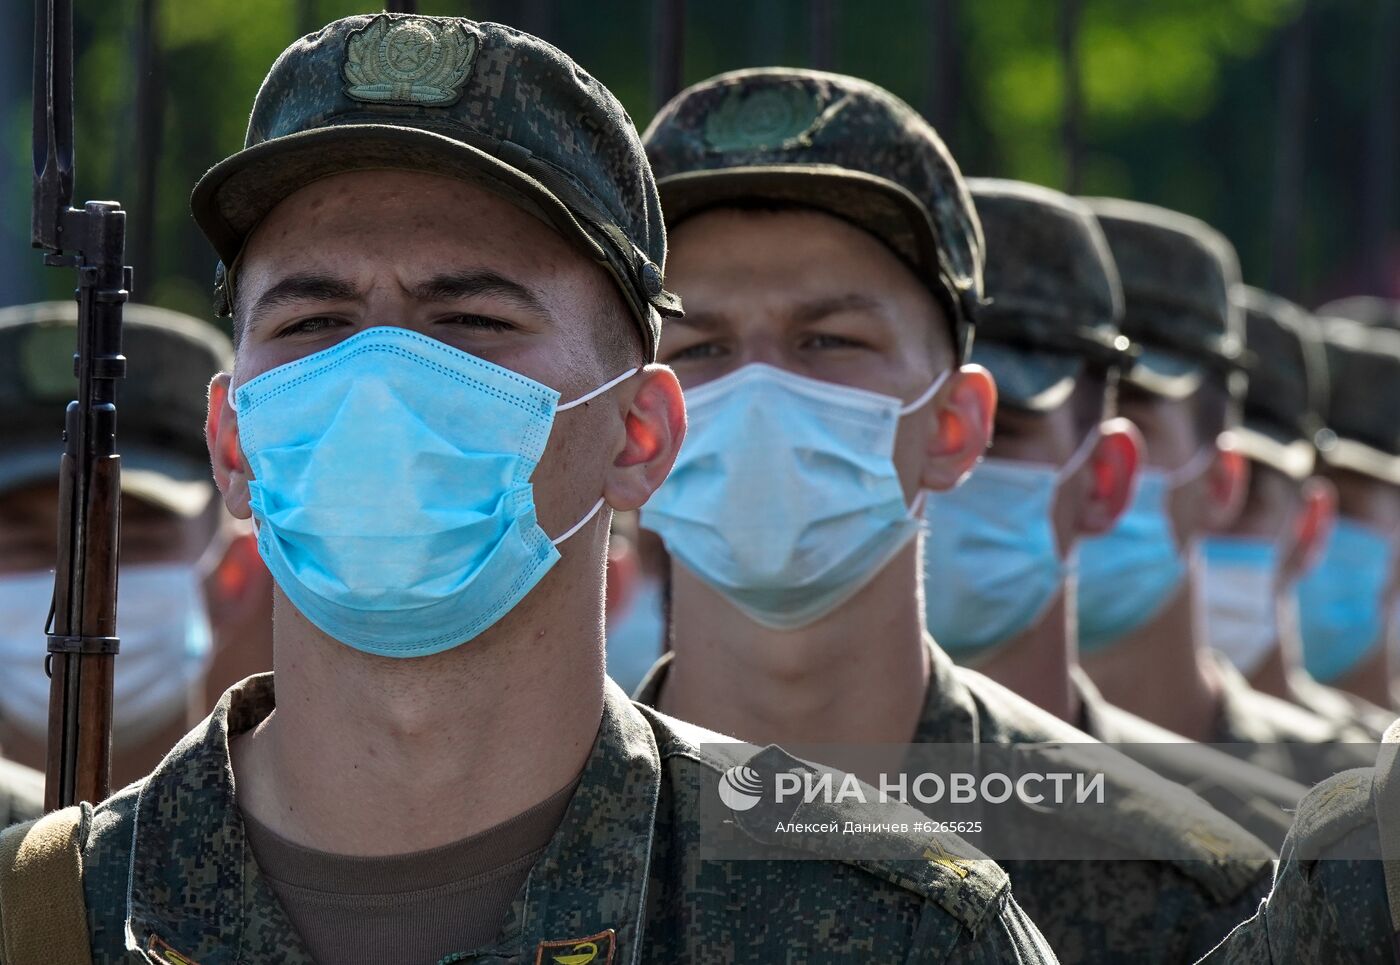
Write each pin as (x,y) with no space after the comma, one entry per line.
(1332,810)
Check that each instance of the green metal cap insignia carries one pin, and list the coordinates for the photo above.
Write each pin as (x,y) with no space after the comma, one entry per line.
(411,62)
(775,118)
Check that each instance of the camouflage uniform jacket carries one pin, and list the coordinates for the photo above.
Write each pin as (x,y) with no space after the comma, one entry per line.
(1128,910)
(21,793)
(1283,738)
(1323,909)
(169,876)
(1340,707)
(1258,801)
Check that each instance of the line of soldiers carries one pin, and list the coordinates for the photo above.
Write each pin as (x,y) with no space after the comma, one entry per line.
(934,460)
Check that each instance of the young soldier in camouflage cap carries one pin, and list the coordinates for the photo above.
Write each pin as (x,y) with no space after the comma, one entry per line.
(1336,896)
(184,577)
(820,359)
(1139,586)
(436,223)
(1253,568)
(1346,603)
(1000,548)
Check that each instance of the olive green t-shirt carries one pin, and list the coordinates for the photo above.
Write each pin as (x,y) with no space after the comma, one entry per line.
(411,908)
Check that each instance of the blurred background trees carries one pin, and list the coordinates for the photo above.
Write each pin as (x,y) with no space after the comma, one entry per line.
(1275,120)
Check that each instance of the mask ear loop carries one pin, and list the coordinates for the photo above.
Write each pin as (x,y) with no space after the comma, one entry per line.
(580,401)
(916,508)
(1081,455)
(928,393)
(1192,468)
(587,397)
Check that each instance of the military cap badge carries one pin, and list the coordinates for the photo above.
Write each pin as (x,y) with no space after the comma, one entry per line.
(413,61)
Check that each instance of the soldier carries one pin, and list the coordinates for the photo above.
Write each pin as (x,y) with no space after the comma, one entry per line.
(183,577)
(999,549)
(1253,567)
(1139,586)
(1336,897)
(1346,604)
(445,252)
(830,258)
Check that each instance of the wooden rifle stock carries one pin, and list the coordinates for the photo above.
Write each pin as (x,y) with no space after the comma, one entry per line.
(82,637)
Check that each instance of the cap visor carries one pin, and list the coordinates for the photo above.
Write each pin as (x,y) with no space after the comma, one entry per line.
(1288,454)
(182,486)
(1368,461)
(880,207)
(1028,379)
(1165,374)
(235,195)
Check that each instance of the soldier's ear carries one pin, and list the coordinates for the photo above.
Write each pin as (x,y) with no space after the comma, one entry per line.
(961,428)
(654,429)
(1226,486)
(1113,471)
(225,453)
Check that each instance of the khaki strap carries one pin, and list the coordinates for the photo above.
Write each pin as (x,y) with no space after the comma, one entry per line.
(1387,799)
(41,892)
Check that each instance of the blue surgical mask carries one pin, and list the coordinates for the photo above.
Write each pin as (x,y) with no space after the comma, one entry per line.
(1127,575)
(784,497)
(392,491)
(1239,579)
(1340,602)
(991,563)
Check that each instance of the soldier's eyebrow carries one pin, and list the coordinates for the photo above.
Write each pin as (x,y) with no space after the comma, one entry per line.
(307,287)
(820,308)
(475,283)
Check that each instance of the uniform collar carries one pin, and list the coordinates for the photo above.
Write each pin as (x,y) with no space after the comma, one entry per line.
(950,710)
(195,888)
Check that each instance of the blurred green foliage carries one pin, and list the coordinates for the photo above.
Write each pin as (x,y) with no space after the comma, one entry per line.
(1179,101)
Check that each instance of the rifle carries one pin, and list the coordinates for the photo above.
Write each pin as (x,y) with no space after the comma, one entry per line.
(82,641)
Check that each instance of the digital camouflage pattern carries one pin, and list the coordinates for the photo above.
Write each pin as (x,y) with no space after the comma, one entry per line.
(1053,297)
(477,101)
(831,142)
(621,871)
(1363,370)
(171,358)
(1288,389)
(1177,273)
(1128,910)
(21,793)
(1260,802)
(1328,902)
(1283,738)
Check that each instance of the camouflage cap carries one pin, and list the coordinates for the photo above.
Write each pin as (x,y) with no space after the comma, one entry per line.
(161,404)
(1363,372)
(829,142)
(1053,298)
(1382,312)
(476,101)
(1287,395)
(1177,273)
